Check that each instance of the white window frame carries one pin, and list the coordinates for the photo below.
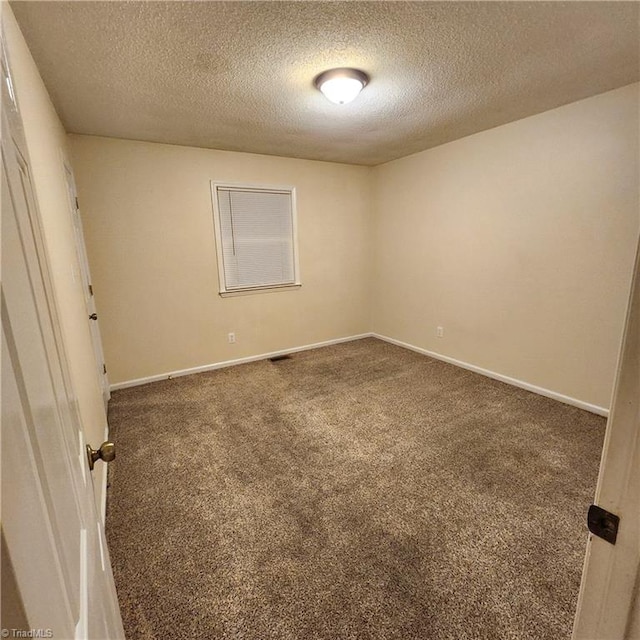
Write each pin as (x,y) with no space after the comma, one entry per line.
(225,291)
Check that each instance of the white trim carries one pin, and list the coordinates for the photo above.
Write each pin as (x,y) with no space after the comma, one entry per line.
(85,277)
(225,291)
(231,363)
(272,288)
(608,604)
(601,411)
(592,408)
(82,628)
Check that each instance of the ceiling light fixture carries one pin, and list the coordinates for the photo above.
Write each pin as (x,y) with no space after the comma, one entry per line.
(341,85)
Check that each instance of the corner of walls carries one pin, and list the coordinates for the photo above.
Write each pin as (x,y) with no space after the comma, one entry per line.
(371,230)
(376,294)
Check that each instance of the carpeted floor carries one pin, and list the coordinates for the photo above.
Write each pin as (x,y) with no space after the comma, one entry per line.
(357,491)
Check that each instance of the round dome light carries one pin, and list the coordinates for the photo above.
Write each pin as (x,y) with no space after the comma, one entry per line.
(341,85)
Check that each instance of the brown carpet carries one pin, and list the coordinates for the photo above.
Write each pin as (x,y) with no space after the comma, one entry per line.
(356,491)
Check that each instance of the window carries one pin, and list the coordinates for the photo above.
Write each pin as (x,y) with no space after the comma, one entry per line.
(255,237)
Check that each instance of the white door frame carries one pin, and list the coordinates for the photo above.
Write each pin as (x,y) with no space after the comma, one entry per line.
(87,286)
(611,577)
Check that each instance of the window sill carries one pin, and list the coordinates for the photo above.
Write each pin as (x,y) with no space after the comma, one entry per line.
(248,292)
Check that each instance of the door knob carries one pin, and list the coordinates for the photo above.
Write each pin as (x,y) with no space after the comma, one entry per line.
(93,316)
(106,453)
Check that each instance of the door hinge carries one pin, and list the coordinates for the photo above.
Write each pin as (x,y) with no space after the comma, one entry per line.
(104,369)
(603,524)
(90,290)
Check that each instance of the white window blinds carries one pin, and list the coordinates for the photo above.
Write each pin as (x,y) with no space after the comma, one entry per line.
(255,230)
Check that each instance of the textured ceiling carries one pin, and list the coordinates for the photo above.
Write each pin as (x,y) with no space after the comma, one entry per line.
(238,75)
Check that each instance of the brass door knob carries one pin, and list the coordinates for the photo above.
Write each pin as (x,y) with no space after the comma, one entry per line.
(106,453)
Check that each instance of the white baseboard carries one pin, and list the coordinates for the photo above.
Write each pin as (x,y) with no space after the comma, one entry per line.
(231,363)
(601,411)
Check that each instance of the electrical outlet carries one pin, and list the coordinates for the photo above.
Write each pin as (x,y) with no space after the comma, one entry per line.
(440,332)
(232,338)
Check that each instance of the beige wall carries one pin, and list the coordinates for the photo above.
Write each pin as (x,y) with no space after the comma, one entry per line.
(47,145)
(519,242)
(148,222)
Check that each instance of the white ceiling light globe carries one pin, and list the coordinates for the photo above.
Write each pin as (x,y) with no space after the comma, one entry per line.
(341,86)
(341,90)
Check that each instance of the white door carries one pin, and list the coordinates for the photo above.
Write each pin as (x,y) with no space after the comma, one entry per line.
(53,534)
(611,577)
(87,287)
